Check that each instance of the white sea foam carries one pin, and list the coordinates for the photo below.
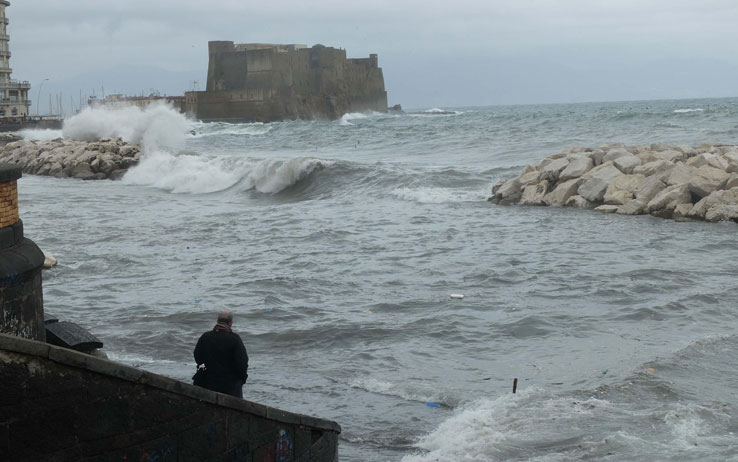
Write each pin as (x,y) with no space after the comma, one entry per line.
(154,127)
(347,118)
(40,134)
(495,429)
(684,111)
(486,430)
(436,110)
(202,130)
(426,195)
(402,390)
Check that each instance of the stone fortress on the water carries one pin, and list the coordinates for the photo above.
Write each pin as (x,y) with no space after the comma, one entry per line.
(257,82)
(14,102)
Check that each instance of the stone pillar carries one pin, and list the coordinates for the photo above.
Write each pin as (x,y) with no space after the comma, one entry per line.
(21,296)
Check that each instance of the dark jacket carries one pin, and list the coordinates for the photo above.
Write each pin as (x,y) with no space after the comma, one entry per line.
(225,359)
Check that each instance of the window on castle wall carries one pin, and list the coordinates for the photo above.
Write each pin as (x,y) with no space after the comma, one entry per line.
(15,111)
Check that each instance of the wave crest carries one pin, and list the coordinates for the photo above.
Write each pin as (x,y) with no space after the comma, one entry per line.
(199,175)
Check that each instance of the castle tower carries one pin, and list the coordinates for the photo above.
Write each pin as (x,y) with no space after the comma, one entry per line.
(21,297)
(14,103)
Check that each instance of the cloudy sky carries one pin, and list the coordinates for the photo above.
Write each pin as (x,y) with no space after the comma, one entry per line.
(433,53)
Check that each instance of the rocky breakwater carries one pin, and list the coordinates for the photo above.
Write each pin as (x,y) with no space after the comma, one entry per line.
(678,182)
(95,160)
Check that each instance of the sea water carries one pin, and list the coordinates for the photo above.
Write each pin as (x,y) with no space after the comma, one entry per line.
(338,244)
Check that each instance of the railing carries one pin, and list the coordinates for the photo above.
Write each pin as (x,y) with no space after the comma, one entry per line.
(15,99)
(14,84)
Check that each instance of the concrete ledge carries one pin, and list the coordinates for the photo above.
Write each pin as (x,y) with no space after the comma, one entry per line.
(240,404)
(29,347)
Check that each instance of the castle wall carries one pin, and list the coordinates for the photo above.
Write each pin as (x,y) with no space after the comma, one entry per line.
(263,82)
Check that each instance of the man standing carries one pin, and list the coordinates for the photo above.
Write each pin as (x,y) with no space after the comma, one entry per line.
(224,356)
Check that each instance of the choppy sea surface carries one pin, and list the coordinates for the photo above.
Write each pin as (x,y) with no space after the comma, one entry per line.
(337,245)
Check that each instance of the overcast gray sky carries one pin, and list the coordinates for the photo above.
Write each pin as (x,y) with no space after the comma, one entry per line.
(433,53)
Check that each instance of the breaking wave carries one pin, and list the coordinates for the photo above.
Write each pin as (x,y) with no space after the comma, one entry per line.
(199,175)
(685,111)
(347,118)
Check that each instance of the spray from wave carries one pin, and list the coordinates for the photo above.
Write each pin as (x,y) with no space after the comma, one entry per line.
(40,135)
(154,127)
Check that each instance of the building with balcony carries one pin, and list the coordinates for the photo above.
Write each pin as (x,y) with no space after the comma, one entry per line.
(14,103)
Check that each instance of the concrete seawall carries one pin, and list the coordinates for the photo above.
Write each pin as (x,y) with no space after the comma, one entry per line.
(61,405)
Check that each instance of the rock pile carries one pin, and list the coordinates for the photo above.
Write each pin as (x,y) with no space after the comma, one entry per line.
(9,137)
(97,160)
(678,182)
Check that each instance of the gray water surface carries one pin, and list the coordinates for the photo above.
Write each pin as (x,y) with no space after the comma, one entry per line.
(337,245)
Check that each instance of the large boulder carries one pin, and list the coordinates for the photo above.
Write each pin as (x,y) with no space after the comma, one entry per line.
(648,189)
(632,207)
(731,158)
(577,167)
(716,200)
(507,193)
(596,181)
(707,158)
(722,212)
(657,167)
(597,155)
(622,189)
(707,180)
(579,202)
(552,170)
(82,171)
(670,155)
(681,174)
(562,192)
(616,153)
(607,208)
(534,194)
(626,164)
(665,202)
(732,181)
(531,177)
(681,212)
